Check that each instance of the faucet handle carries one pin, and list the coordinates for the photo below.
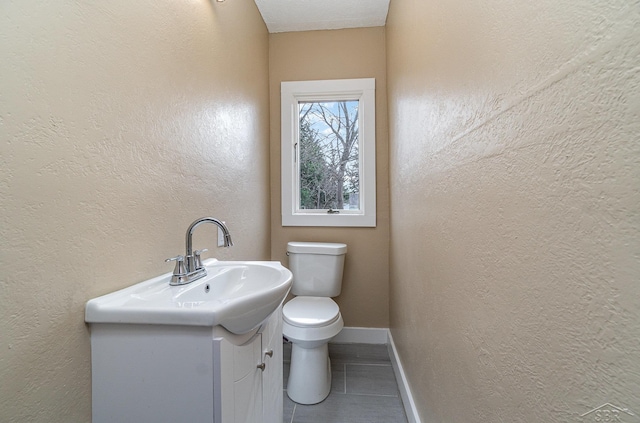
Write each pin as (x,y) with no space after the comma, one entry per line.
(180,269)
(197,261)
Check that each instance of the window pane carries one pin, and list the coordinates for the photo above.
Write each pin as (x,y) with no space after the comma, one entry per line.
(328,168)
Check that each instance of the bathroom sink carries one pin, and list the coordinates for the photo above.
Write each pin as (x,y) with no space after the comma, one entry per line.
(238,295)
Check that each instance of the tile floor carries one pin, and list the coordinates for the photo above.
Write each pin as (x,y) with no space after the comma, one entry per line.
(363,388)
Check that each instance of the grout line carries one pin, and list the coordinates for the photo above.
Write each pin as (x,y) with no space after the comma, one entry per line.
(345,377)
(355,394)
(369,364)
(293,413)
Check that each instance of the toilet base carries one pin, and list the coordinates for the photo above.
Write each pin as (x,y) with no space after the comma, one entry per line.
(310,374)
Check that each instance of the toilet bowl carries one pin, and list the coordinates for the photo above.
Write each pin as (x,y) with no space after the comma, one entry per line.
(312,318)
(309,324)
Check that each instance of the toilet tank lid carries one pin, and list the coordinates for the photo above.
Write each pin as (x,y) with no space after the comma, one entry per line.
(329,248)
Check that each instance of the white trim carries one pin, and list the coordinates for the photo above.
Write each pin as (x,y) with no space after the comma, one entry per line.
(403,384)
(350,335)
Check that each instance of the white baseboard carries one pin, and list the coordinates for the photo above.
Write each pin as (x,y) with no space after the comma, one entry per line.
(350,335)
(403,385)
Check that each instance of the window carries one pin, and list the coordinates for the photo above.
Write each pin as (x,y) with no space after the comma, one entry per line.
(328,153)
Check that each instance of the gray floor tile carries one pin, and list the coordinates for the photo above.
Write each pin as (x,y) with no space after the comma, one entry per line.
(363,389)
(367,379)
(338,384)
(285,374)
(286,351)
(352,409)
(359,353)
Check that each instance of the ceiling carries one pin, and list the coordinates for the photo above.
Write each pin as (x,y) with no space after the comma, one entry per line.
(309,15)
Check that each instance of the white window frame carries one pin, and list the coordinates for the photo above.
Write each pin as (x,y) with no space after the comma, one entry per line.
(293,92)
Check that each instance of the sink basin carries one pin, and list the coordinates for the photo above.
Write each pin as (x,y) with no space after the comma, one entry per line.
(238,295)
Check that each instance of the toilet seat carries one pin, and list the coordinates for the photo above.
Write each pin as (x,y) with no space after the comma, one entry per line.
(310,312)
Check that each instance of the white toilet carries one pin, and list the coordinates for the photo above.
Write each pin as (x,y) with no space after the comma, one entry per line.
(312,318)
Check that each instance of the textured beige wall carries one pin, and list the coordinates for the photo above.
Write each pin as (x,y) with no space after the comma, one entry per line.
(515,168)
(353,53)
(120,123)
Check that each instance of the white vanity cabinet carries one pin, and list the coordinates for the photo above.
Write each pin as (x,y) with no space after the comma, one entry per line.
(172,373)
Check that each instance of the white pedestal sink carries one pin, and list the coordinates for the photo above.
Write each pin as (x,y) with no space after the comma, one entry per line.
(238,295)
(207,351)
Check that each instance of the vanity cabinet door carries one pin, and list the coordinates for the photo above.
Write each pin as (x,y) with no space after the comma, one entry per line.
(249,377)
(238,381)
(272,389)
(247,386)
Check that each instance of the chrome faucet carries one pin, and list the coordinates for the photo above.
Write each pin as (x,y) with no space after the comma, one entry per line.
(189,267)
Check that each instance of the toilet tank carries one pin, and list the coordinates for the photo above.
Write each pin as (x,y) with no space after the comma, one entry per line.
(316,267)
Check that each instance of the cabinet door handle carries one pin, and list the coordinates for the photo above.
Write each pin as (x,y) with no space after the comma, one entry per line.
(261,366)
(269,353)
